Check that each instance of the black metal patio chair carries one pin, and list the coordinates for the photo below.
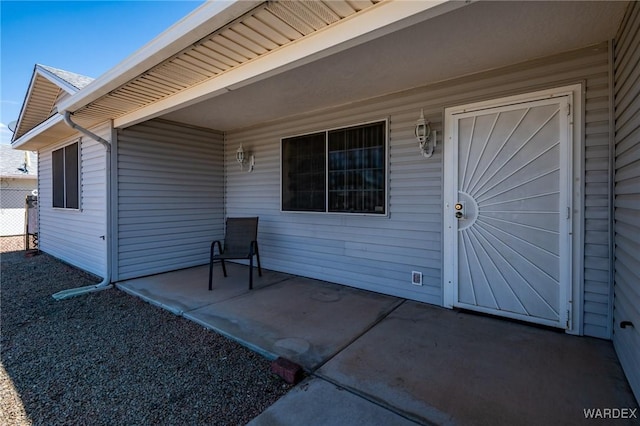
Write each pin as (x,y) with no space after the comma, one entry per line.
(240,242)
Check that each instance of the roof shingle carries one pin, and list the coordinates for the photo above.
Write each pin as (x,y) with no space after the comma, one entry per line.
(12,163)
(76,80)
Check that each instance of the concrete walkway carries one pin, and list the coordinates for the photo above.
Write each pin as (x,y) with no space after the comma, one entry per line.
(379,360)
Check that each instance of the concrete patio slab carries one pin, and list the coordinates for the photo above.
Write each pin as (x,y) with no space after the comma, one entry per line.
(377,359)
(447,367)
(317,402)
(188,289)
(304,320)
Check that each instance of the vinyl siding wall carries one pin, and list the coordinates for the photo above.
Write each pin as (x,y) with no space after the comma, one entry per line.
(627,196)
(379,253)
(170,197)
(76,236)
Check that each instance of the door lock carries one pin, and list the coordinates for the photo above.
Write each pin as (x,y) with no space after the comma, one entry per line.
(459,208)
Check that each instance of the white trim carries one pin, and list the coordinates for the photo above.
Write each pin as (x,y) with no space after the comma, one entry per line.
(39,70)
(326,131)
(79,179)
(63,84)
(113,211)
(23,108)
(578,115)
(40,128)
(450,181)
(572,180)
(381,19)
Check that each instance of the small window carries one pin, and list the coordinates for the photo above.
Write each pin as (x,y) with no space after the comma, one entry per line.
(65,170)
(337,171)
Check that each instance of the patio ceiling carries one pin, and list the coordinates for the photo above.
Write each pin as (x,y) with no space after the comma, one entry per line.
(269,26)
(478,37)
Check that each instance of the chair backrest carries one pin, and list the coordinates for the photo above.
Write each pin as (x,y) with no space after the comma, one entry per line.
(239,233)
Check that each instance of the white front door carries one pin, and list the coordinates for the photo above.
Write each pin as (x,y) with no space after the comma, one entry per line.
(507,210)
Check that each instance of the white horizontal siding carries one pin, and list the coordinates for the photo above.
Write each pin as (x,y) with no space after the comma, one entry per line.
(170,197)
(379,253)
(77,236)
(627,196)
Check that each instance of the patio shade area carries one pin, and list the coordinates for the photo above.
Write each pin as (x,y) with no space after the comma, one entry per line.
(393,361)
(304,320)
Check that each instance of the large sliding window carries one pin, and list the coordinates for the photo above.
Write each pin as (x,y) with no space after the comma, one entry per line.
(66,172)
(337,171)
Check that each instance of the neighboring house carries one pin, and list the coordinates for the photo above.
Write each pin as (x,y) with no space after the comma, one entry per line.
(18,178)
(526,207)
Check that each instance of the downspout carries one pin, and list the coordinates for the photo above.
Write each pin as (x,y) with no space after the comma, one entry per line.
(106,281)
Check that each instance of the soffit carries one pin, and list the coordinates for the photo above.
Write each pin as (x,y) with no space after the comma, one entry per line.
(47,88)
(266,28)
(41,102)
(480,37)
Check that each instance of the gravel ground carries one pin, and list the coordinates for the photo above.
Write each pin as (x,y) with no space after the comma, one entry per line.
(109,358)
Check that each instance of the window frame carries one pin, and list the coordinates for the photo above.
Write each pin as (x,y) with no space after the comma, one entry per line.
(64,177)
(326,132)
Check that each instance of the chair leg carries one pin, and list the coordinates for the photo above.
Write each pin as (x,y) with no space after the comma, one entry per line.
(211,270)
(224,268)
(258,258)
(251,273)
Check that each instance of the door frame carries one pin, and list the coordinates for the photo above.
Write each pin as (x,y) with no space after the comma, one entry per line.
(575,94)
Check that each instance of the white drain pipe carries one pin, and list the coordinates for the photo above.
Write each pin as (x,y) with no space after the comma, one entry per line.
(106,281)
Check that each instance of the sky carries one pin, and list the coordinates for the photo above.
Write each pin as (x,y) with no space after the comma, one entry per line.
(85,37)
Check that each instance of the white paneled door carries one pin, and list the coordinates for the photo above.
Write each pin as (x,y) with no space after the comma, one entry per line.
(507,208)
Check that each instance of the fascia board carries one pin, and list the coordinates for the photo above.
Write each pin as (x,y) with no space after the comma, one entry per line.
(39,129)
(24,102)
(190,29)
(69,88)
(382,19)
(54,79)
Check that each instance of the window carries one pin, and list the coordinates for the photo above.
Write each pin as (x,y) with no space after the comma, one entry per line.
(337,171)
(66,192)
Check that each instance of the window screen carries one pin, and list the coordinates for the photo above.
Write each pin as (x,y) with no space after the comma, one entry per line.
(65,170)
(303,173)
(58,178)
(341,171)
(357,169)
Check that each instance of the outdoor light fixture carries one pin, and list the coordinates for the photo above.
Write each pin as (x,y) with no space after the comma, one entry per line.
(426,137)
(242,158)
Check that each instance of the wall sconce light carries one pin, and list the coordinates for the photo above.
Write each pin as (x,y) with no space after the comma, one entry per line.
(242,158)
(426,137)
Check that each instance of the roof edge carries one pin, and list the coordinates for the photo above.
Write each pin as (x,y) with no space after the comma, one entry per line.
(40,128)
(65,85)
(24,103)
(188,30)
(40,70)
